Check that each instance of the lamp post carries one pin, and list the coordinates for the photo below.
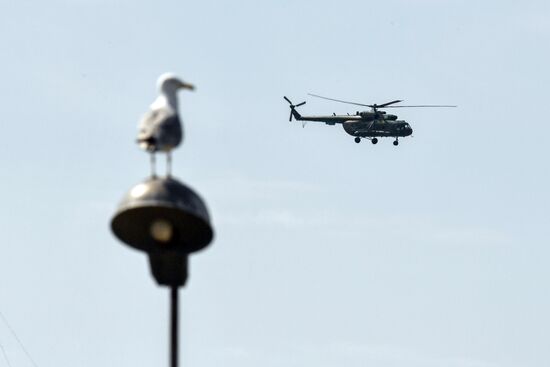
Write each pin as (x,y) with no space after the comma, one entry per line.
(167,220)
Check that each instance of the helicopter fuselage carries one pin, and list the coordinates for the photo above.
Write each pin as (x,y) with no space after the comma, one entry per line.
(364,124)
(380,128)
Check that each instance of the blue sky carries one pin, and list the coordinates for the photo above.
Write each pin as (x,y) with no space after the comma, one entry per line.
(327,252)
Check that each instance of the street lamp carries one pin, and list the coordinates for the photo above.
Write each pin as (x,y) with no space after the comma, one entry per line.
(167,220)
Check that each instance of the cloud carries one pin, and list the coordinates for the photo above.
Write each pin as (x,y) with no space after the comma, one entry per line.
(274,205)
(391,355)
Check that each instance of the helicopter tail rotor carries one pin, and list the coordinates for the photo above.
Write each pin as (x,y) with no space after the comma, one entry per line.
(293,111)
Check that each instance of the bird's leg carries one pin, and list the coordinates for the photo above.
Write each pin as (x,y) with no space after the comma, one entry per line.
(153,173)
(168,163)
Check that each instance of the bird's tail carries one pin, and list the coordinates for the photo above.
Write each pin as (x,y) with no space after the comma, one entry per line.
(148,144)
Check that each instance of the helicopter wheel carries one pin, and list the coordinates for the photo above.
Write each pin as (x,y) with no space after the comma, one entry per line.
(396,142)
(357,140)
(374,140)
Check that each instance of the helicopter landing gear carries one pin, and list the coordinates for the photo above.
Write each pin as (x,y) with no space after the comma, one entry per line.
(357,140)
(374,140)
(396,142)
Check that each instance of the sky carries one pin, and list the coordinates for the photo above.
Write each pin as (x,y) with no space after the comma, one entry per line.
(326,252)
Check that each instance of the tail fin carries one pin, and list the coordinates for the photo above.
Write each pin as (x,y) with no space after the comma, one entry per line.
(296,114)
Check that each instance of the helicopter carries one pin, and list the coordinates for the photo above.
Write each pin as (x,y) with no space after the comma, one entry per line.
(369,125)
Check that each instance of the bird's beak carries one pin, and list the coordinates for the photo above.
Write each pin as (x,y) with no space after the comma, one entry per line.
(186,86)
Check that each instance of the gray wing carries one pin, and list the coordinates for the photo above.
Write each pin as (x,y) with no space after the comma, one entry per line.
(159,130)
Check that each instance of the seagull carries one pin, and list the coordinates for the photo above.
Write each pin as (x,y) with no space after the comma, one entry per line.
(160,128)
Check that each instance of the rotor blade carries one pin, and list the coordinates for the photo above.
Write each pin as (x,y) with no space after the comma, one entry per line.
(389,103)
(290,118)
(288,100)
(423,105)
(338,100)
(384,105)
(300,104)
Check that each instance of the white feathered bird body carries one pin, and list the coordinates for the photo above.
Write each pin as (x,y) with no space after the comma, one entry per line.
(160,129)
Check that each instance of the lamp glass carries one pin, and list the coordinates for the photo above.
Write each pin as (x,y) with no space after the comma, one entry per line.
(161,230)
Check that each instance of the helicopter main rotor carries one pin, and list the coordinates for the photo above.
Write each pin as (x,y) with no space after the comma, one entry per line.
(375,106)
